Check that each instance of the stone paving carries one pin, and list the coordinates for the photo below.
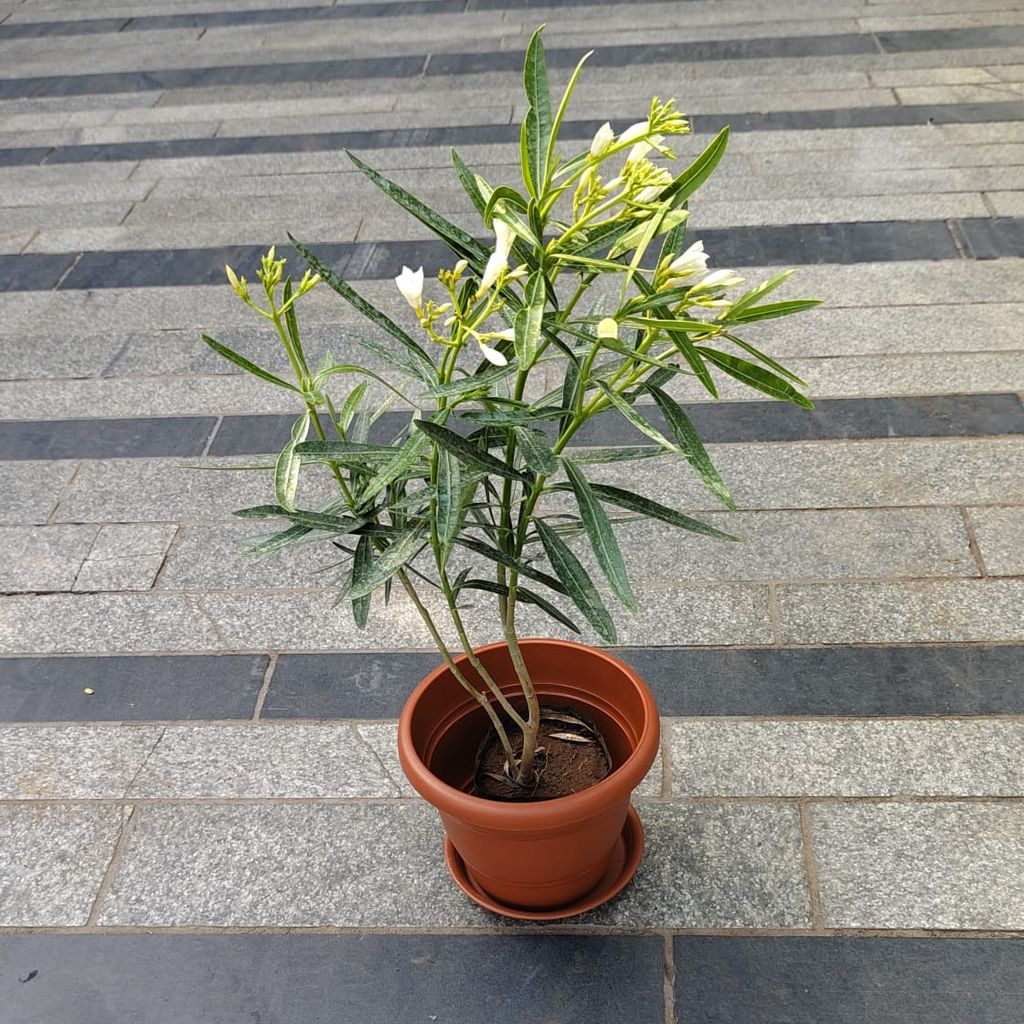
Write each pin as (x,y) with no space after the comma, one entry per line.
(201,813)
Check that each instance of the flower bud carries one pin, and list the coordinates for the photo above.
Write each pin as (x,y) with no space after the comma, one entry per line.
(410,284)
(603,138)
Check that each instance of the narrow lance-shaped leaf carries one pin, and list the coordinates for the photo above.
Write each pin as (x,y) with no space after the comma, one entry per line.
(362,563)
(468,452)
(538,122)
(422,365)
(499,556)
(654,510)
(767,360)
(390,561)
(468,181)
(348,409)
(577,583)
(448,500)
(529,319)
(691,445)
(404,459)
(757,293)
(286,471)
(560,113)
(772,310)
(601,535)
(524,595)
(292,325)
(250,367)
(686,183)
(324,521)
(461,242)
(536,453)
(757,377)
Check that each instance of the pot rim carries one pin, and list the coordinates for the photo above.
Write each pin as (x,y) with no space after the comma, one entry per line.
(552,813)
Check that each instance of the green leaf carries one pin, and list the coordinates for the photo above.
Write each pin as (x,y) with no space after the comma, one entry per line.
(598,239)
(468,452)
(403,460)
(461,242)
(292,326)
(324,521)
(480,381)
(539,122)
(423,364)
(700,170)
(757,377)
(748,299)
(524,595)
(570,392)
(628,453)
(691,445)
(654,510)
(512,417)
(348,410)
(536,453)
(767,360)
(562,107)
(577,583)
(362,566)
(393,559)
(672,324)
(600,534)
(448,505)
(506,194)
(346,453)
(239,360)
(771,310)
(523,568)
(268,545)
(286,471)
(528,321)
(467,179)
(636,419)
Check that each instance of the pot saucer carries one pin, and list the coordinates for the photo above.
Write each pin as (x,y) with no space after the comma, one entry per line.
(626,857)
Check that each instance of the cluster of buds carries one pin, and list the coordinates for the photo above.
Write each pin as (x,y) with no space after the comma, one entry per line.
(469,313)
(675,272)
(270,275)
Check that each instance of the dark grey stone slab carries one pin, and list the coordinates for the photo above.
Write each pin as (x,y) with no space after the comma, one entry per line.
(471,135)
(33,271)
(723,423)
(992,239)
(130,689)
(975,37)
(847,980)
(840,44)
(974,679)
(332,979)
(105,439)
(177,267)
(356,685)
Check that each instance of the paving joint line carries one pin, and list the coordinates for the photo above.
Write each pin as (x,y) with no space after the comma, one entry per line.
(171,547)
(972,541)
(127,828)
(811,867)
(669,982)
(65,491)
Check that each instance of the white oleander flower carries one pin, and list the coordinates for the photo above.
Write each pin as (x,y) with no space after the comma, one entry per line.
(498,260)
(410,284)
(693,261)
(603,138)
(719,279)
(492,355)
(635,131)
(642,148)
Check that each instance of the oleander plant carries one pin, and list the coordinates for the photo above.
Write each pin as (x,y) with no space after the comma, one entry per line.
(590,272)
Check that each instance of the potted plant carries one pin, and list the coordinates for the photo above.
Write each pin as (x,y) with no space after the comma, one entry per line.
(529,748)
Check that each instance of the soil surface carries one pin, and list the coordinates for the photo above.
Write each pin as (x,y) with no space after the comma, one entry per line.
(571,756)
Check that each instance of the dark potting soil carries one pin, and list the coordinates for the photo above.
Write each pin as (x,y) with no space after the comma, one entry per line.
(571,757)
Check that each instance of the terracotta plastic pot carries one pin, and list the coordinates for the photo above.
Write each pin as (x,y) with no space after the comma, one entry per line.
(534,857)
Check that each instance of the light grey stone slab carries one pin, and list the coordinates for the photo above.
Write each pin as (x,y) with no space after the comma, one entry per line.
(136,572)
(848,333)
(32,489)
(845,160)
(803,545)
(1000,536)
(14,241)
(351,865)
(716,866)
(39,218)
(42,558)
(52,861)
(729,757)
(265,761)
(72,762)
(125,540)
(920,865)
(97,623)
(989,92)
(224,394)
(827,474)
(897,76)
(938,611)
(30,356)
(1007,204)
